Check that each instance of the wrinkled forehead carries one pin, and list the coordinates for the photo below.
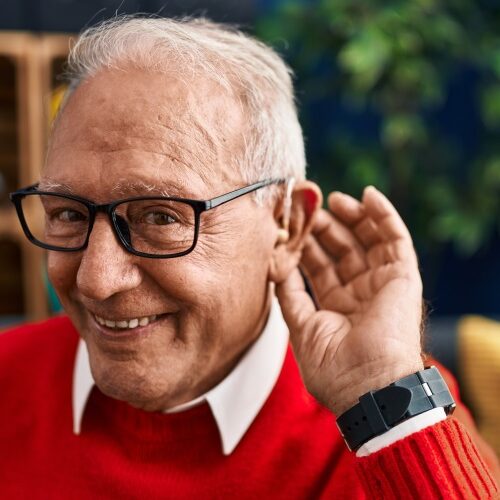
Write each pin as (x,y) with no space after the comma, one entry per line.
(135,127)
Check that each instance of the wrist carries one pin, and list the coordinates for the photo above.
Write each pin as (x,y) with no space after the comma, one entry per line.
(367,379)
(379,412)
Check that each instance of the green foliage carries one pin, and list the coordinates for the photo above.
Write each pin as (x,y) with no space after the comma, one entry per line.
(396,60)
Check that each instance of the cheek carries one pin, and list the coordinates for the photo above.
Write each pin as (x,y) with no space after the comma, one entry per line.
(232,265)
(224,271)
(193,282)
(62,270)
(238,237)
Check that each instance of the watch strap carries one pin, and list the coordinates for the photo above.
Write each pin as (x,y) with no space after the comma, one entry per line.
(378,411)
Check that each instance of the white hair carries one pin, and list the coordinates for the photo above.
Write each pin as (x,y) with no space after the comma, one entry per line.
(274,146)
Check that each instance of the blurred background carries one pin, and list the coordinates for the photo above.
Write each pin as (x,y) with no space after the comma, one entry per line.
(402,95)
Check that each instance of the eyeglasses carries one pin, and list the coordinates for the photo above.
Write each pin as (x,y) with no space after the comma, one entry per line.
(157,227)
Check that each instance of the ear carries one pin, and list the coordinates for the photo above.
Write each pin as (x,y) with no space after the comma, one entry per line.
(306,199)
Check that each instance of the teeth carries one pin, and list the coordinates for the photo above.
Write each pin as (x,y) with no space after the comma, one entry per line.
(130,324)
(133,323)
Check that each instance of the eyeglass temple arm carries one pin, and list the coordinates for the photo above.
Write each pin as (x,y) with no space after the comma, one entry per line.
(224,198)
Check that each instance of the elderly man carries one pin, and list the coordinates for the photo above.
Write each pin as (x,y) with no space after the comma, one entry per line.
(176,210)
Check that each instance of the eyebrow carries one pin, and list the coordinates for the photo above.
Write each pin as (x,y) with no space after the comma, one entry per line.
(123,188)
(127,188)
(55,187)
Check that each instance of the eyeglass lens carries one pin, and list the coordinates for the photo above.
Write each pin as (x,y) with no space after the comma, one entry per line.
(152,226)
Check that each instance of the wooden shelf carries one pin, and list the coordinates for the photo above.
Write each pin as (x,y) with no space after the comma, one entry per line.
(11,287)
(10,228)
(24,125)
(14,44)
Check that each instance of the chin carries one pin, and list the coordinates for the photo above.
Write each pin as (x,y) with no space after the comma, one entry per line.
(145,400)
(137,390)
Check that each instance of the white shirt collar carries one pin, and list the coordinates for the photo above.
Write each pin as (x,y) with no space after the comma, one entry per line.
(234,402)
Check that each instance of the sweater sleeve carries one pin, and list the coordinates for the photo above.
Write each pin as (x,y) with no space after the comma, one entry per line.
(440,461)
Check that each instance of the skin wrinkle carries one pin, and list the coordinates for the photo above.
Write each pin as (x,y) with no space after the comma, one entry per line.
(123,158)
(123,188)
(209,326)
(214,234)
(173,158)
(177,156)
(111,141)
(204,146)
(210,53)
(204,138)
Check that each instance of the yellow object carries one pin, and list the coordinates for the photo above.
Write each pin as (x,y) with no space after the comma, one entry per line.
(56,99)
(479,358)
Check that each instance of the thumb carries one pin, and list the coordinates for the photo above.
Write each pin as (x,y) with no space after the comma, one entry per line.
(296,304)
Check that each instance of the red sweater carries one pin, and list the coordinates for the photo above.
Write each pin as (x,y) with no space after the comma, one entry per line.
(292,450)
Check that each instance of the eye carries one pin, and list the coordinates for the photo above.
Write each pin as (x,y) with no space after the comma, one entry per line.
(159,218)
(69,216)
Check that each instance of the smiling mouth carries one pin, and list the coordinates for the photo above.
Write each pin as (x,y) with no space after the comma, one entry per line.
(127,324)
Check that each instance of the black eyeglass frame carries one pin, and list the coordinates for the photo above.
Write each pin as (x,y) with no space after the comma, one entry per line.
(199,206)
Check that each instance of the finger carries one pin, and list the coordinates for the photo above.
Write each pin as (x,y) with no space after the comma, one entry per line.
(339,243)
(296,304)
(337,239)
(380,255)
(389,252)
(329,292)
(389,224)
(312,332)
(353,214)
(346,208)
(325,271)
(318,266)
(367,233)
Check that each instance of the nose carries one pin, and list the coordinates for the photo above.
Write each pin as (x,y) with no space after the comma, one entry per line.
(106,268)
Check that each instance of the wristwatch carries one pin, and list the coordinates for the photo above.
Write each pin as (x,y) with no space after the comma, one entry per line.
(378,411)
